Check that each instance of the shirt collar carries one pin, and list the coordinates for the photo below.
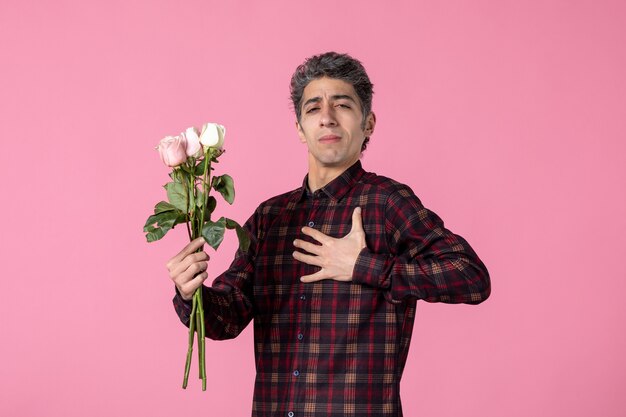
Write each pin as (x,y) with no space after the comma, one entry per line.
(338,187)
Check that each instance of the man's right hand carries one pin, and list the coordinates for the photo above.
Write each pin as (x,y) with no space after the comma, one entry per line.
(188,268)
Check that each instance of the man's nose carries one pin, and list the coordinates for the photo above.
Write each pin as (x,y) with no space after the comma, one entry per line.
(327,116)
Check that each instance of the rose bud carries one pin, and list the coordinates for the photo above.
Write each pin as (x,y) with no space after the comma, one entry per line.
(212,135)
(193,142)
(172,150)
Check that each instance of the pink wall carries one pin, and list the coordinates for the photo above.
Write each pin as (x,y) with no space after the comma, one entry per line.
(507,118)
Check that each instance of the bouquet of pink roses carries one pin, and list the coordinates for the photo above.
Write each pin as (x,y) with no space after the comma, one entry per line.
(191,155)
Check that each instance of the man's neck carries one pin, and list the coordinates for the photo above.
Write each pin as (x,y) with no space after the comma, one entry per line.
(320,175)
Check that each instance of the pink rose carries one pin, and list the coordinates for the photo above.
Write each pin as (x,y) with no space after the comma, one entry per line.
(173,150)
(194,148)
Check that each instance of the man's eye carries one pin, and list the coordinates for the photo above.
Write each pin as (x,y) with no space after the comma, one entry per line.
(312,109)
(345,106)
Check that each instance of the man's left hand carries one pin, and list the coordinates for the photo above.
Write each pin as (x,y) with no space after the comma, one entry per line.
(336,257)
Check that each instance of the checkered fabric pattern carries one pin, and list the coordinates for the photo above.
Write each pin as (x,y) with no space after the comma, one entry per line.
(335,348)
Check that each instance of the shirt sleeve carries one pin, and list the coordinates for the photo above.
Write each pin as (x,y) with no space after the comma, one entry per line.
(228,306)
(424,260)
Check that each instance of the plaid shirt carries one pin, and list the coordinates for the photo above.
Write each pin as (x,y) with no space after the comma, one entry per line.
(334,348)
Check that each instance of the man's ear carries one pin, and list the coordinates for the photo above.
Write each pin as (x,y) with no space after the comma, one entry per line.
(300,132)
(370,123)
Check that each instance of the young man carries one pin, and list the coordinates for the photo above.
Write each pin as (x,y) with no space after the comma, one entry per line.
(335,267)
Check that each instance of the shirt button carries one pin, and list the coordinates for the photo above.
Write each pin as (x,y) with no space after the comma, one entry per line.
(296,373)
(300,336)
(303,297)
(290,414)
(311,224)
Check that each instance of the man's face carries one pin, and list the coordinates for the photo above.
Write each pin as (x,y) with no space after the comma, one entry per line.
(330,123)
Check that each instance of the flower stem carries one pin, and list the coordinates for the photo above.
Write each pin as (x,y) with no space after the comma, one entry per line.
(201,345)
(199,317)
(198,327)
(201,329)
(207,190)
(192,329)
(178,175)
(196,324)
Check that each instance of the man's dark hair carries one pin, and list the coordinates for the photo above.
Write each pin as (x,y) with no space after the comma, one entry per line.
(333,65)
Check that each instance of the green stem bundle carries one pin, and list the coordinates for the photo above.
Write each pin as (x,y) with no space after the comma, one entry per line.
(196,319)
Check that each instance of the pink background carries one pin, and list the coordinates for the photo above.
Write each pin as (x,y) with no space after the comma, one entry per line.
(507,118)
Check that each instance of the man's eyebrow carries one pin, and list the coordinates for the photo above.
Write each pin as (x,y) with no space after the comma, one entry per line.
(334,97)
(343,97)
(312,100)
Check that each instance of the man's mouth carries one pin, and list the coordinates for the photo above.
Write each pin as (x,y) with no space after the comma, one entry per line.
(329,139)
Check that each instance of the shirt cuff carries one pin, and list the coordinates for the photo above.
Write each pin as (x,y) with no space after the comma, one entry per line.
(372,269)
(182,307)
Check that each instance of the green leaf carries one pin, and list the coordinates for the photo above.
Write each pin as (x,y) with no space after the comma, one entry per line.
(213,232)
(230,223)
(163,206)
(181,218)
(199,169)
(160,219)
(177,195)
(159,224)
(242,234)
(214,154)
(177,175)
(210,207)
(244,239)
(225,185)
(155,234)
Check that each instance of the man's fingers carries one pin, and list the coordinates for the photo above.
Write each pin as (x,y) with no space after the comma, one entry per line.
(307,259)
(192,270)
(318,276)
(357,220)
(191,247)
(194,258)
(308,246)
(187,289)
(335,257)
(187,268)
(315,234)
